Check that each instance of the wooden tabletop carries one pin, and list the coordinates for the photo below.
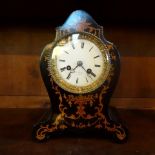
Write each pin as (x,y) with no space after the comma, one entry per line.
(16,127)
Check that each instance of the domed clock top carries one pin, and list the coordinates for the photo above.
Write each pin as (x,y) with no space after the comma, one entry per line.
(79,20)
(80,69)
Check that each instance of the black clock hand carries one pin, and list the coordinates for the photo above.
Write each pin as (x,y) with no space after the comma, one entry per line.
(93,74)
(89,71)
(63,68)
(79,64)
(86,71)
(71,71)
(69,75)
(84,68)
(75,68)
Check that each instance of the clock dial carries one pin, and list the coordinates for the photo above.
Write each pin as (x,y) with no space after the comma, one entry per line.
(79,63)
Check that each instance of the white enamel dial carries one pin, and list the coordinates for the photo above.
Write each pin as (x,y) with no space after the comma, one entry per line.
(79,63)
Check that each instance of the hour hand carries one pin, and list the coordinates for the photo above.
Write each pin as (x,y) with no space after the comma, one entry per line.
(64,68)
(71,71)
(69,75)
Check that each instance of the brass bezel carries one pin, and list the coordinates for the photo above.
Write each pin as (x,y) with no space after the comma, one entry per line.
(82,89)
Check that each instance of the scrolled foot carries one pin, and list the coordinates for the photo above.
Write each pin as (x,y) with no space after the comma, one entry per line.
(120,135)
(42,131)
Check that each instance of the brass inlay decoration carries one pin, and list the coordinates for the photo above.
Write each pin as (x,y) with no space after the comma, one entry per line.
(84,26)
(66,119)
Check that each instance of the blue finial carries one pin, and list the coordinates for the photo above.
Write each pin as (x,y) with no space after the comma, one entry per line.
(77,17)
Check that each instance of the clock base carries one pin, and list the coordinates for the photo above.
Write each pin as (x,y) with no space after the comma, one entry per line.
(102,127)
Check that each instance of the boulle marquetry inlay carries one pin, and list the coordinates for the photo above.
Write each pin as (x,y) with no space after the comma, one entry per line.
(80,70)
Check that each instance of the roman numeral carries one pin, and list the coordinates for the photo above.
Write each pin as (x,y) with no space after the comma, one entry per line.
(69,75)
(77,80)
(61,60)
(73,46)
(97,65)
(91,48)
(62,69)
(82,45)
(96,56)
(66,52)
(86,79)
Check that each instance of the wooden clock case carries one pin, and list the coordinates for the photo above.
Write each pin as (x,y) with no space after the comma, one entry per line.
(80,113)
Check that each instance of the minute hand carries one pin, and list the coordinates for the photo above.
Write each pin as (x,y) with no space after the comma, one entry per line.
(86,72)
(75,68)
(84,69)
(89,71)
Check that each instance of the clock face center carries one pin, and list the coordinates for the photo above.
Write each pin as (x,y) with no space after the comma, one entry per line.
(79,63)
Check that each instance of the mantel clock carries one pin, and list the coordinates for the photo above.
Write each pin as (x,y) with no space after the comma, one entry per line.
(80,69)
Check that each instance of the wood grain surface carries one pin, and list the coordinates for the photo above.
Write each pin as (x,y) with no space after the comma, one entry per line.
(30,40)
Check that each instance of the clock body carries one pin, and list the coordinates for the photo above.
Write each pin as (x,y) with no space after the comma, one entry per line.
(80,69)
